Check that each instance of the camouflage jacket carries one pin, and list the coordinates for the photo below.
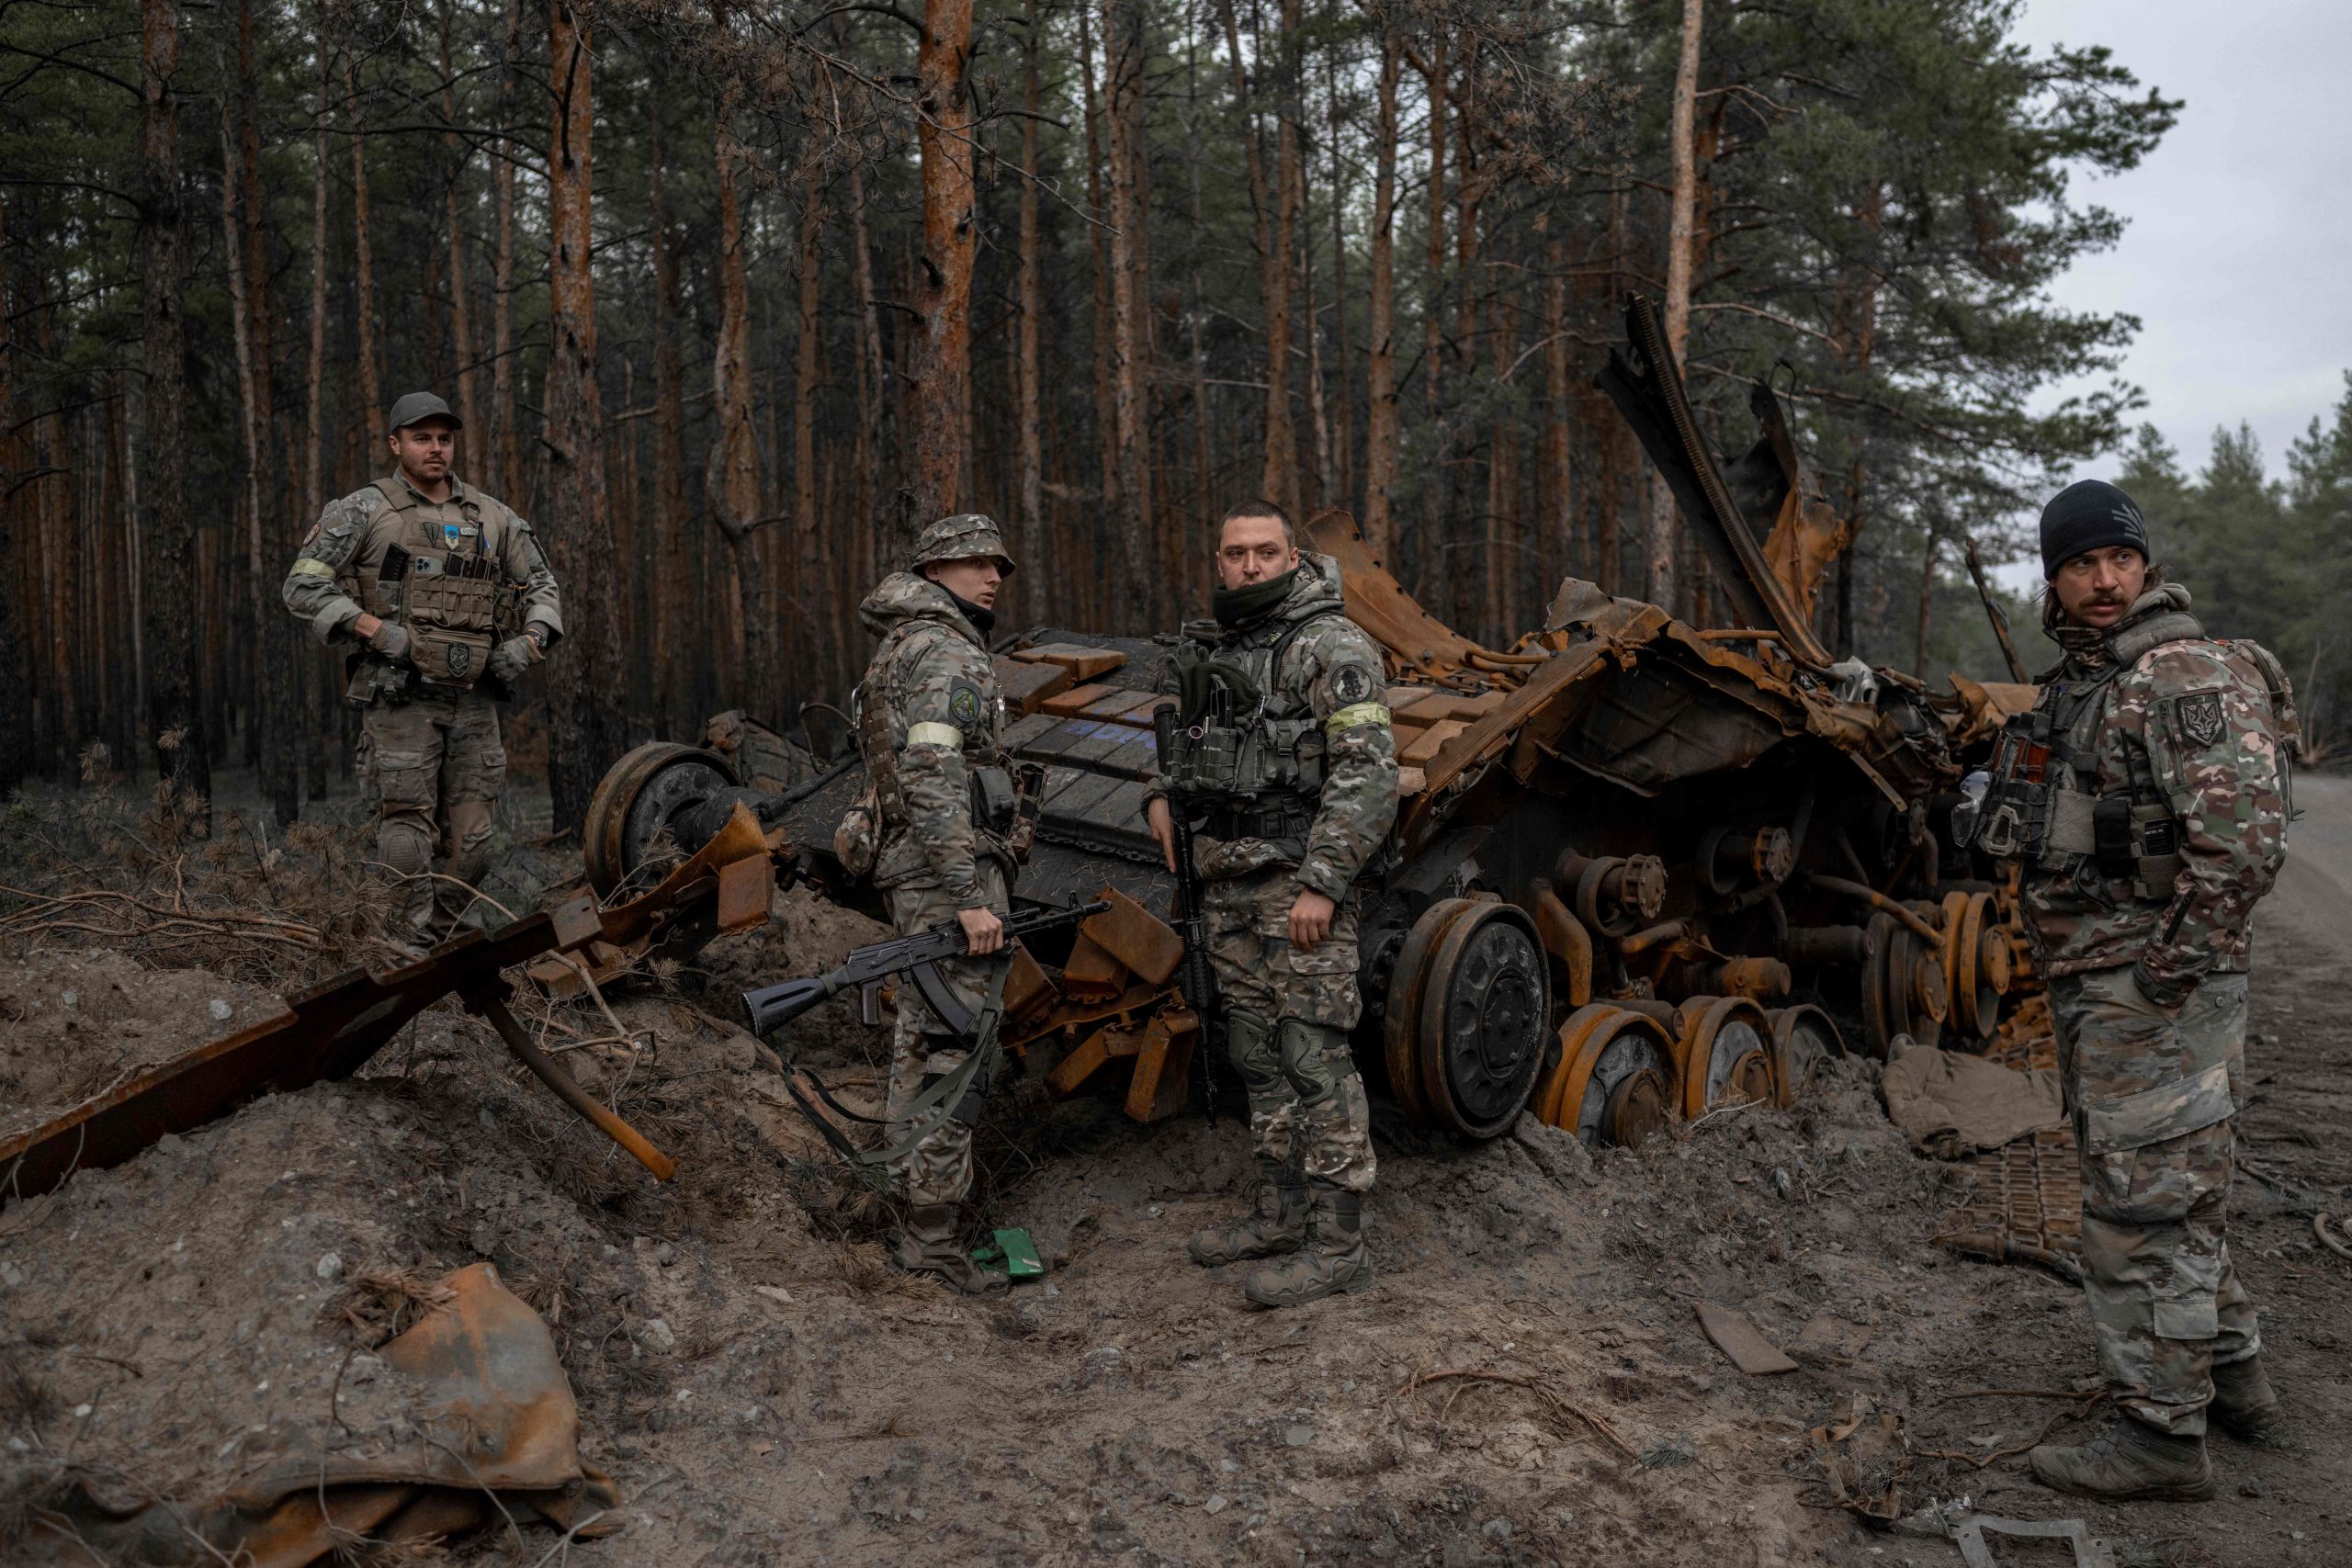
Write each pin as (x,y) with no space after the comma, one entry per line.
(1330,669)
(2190,721)
(334,576)
(929,719)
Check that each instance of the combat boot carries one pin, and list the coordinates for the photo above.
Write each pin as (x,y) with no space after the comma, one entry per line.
(2130,1460)
(1334,1257)
(1275,1224)
(2244,1404)
(930,1243)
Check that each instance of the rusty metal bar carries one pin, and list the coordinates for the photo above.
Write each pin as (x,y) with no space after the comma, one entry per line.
(489,1001)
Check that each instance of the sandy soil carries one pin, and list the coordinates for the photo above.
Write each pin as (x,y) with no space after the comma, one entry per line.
(765,1391)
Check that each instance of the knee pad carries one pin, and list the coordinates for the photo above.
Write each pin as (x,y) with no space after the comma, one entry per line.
(1314,1057)
(404,845)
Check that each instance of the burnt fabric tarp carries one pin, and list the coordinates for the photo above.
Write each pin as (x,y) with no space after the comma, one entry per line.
(1950,1104)
(492,1437)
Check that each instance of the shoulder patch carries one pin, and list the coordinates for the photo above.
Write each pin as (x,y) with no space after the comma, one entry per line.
(2200,716)
(964,703)
(1350,683)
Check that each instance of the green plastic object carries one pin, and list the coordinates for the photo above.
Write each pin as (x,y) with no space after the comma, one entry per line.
(1014,1255)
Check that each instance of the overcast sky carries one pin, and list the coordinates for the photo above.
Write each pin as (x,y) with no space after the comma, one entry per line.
(2235,259)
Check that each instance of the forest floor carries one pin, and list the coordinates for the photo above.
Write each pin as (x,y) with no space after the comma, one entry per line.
(1527,1384)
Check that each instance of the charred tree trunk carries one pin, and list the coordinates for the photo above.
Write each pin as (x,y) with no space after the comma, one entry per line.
(875,402)
(1557,514)
(174,720)
(16,667)
(1098,203)
(816,542)
(1438,480)
(1383,418)
(318,687)
(940,365)
(1278,477)
(584,730)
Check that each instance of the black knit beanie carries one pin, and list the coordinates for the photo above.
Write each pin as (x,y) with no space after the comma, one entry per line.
(2089,514)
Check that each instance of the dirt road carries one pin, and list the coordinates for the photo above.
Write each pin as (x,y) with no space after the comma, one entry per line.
(1527,1384)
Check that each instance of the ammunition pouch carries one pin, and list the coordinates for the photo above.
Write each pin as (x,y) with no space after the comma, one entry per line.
(994,801)
(1029,804)
(967,1106)
(451,610)
(2030,813)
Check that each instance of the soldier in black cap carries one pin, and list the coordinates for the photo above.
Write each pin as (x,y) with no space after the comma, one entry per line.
(444,598)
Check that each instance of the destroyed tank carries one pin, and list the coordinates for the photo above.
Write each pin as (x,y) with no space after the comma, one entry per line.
(1641,869)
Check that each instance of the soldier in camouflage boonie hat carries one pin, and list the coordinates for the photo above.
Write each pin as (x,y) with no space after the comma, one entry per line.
(967,536)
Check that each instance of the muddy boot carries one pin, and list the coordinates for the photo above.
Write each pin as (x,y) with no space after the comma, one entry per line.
(2244,1404)
(1333,1260)
(1276,1221)
(930,1243)
(2130,1460)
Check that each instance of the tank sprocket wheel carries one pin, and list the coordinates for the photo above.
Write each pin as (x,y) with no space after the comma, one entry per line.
(1485,1007)
(1978,974)
(1724,1056)
(627,812)
(1805,1042)
(1616,1082)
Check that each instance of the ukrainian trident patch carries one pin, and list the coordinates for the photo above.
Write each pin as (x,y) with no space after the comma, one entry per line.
(2201,718)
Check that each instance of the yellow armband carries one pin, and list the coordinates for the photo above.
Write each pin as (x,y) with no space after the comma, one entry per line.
(306,567)
(931,733)
(1355,714)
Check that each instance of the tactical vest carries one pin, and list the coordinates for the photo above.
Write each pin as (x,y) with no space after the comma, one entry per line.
(994,803)
(453,602)
(2044,806)
(1247,753)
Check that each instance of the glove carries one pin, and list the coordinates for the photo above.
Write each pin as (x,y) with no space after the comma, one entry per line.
(391,640)
(511,658)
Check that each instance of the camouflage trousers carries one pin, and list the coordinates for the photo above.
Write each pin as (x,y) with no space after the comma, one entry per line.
(1287,1017)
(434,767)
(939,1168)
(2152,1098)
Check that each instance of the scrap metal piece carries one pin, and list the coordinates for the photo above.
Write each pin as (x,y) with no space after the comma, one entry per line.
(1737,1338)
(486,998)
(1994,613)
(1969,1536)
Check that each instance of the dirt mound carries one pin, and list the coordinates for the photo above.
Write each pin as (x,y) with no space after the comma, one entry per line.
(73,1023)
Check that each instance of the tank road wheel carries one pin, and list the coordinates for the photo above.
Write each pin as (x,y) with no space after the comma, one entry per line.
(637,797)
(1724,1056)
(1484,1008)
(1554,1091)
(1804,1041)
(1615,1084)
(1977,955)
(1408,979)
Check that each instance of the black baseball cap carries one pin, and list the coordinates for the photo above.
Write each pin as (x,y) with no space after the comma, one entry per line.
(419,406)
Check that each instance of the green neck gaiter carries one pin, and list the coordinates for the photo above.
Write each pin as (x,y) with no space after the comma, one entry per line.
(1238,606)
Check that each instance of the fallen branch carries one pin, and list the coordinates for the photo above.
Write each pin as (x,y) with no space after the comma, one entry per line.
(2083,1404)
(2320,1229)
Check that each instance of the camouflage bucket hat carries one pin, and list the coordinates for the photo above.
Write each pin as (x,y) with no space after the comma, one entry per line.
(965,537)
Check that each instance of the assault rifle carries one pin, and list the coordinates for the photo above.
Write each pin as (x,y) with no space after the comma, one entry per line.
(1197,976)
(919,955)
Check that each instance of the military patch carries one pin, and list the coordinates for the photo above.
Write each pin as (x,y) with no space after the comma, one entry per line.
(963,703)
(450,534)
(1350,683)
(2201,718)
(461,659)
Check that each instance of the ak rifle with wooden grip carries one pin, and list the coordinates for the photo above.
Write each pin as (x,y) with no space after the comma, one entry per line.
(771,1006)
(1197,976)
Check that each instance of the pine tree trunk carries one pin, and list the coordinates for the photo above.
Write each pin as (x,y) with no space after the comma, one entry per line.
(732,480)
(1031,528)
(876,404)
(1926,602)
(816,541)
(669,611)
(1383,418)
(363,313)
(1665,533)
(584,730)
(939,367)
(1557,514)
(1436,482)
(1132,544)
(1204,482)
(1098,204)
(16,667)
(1278,474)
(509,446)
(174,720)
(267,723)
(462,330)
